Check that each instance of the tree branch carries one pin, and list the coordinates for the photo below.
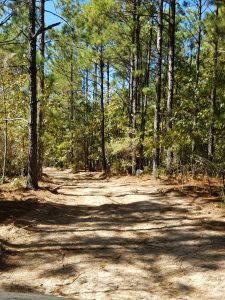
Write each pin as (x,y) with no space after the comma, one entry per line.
(12,40)
(7,18)
(41,30)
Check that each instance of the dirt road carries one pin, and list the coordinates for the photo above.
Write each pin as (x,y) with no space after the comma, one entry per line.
(113,238)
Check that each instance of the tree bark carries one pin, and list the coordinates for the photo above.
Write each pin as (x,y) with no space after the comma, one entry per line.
(156,150)
(86,119)
(145,97)
(71,109)
(104,164)
(131,92)
(95,83)
(42,89)
(134,95)
(199,41)
(211,137)
(170,96)
(108,82)
(135,87)
(32,178)
(5,155)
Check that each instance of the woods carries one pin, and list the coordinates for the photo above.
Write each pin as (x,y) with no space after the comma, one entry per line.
(92,91)
(112,85)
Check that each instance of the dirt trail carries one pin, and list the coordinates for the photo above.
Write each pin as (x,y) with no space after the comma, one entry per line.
(117,238)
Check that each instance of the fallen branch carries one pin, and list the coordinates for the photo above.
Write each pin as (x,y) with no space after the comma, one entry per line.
(70,282)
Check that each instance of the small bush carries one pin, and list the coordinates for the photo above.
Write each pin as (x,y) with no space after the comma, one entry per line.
(18,183)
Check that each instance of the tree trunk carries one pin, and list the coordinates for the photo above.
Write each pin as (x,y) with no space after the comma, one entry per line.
(211,138)
(95,84)
(71,110)
(135,89)
(108,82)
(86,120)
(131,92)
(32,179)
(170,81)
(199,41)
(42,89)
(134,98)
(145,97)
(156,150)
(86,161)
(5,155)
(104,165)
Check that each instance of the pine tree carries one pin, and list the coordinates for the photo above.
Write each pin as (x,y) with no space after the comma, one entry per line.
(156,151)
(32,179)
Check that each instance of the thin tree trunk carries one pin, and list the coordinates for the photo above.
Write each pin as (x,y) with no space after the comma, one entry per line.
(134,92)
(199,41)
(145,98)
(104,165)
(94,104)
(86,120)
(108,82)
(156,150)
(87,87)
(86,160)
(32,178)
(71,109)
(131,92)
(135,89)
(5,155)
(170,80)
(211,138)
(95,83)
(42,89)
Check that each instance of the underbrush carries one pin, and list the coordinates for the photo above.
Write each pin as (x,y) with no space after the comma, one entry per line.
(17,183)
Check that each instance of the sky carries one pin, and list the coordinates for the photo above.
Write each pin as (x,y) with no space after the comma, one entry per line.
(50,18)
(50,6)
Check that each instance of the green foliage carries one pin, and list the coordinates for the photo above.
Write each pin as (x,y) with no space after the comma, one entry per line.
(103,30)
(18,183)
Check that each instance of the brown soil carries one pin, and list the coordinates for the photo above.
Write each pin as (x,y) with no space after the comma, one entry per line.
(85,236)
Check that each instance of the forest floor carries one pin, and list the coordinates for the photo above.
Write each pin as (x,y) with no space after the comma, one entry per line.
(84,236)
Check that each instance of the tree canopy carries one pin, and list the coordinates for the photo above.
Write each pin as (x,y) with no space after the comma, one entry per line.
(120,85)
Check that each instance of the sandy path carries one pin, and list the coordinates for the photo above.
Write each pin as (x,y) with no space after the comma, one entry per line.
(112,239)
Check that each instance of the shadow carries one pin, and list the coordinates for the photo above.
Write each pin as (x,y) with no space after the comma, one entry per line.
(11,210)
(214,225)
(80,178)
(63,271)
(197,191)
(6,266)
(18,288)
(31,212)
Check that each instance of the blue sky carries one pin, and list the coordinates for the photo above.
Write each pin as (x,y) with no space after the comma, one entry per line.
(50,6)
(49,18)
